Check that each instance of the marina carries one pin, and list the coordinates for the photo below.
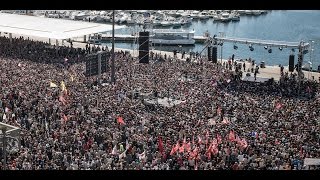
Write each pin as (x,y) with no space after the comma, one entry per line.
(253,24)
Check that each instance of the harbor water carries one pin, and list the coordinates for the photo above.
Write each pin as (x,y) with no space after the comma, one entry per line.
(277,25)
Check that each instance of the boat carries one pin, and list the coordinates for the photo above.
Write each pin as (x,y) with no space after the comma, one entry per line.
(203,15)
(256,12)
(234,16)
(172,37)
(225,17)
(248,12)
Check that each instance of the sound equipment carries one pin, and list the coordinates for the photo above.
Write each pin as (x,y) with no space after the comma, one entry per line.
(214,54)
(143,47)
(209,53)
(291,63)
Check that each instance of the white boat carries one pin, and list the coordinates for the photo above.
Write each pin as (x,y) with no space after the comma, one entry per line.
(225,17)
(241,12)
(256,12)
(80,16)
(203,15)
(165,23)
(234,16)
(248,12)
(172,37)
(195,14)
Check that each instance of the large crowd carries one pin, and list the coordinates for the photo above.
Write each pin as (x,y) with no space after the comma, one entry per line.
(222,123)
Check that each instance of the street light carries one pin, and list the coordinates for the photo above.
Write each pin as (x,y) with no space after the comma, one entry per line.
(180,46)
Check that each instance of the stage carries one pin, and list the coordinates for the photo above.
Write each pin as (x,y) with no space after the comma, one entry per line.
(166,102)
(258,80)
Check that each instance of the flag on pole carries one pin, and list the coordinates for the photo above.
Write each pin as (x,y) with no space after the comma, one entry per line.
(160,145)
(231,136)
(127,145)
(244,143)
(63,100)
(175,148)
(276,142)
(120,120)
(225,121)
(53,85)
(219,139)
(188,147)
(208,152)
(114,150)
(301,152)
(65,118)
(278,105)
(207,137)
(63,86)
(181,149)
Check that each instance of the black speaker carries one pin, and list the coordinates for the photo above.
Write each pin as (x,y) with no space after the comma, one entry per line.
(214,54)
(209,53)
(144,47)
(291,63)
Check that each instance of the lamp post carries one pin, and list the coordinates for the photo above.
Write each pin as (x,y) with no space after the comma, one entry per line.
(311,53)
(221,44)
(113,79)
(180,46)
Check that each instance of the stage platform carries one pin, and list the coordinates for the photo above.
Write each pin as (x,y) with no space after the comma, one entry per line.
(258,80)
(166,102)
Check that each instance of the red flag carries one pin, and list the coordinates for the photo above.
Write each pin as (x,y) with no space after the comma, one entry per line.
(172,150)
(214,149)
(208,152)
(276,142)
(231,136)
(120,120)
(181,149)
(301,152)
(160,145)
(219,139)
(62,99)
(244,143)
(225,121)
(175,148)
(219,110)
(188,147)
(65,118)
(278,105)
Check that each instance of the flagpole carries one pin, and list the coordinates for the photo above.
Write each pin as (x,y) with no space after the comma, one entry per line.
(113,80)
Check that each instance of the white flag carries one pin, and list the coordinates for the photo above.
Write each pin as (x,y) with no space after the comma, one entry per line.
(114,150)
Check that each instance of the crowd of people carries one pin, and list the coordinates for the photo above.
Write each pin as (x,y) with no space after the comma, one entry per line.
(221,124)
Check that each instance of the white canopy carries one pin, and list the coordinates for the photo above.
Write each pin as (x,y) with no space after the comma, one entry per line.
(48,27)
